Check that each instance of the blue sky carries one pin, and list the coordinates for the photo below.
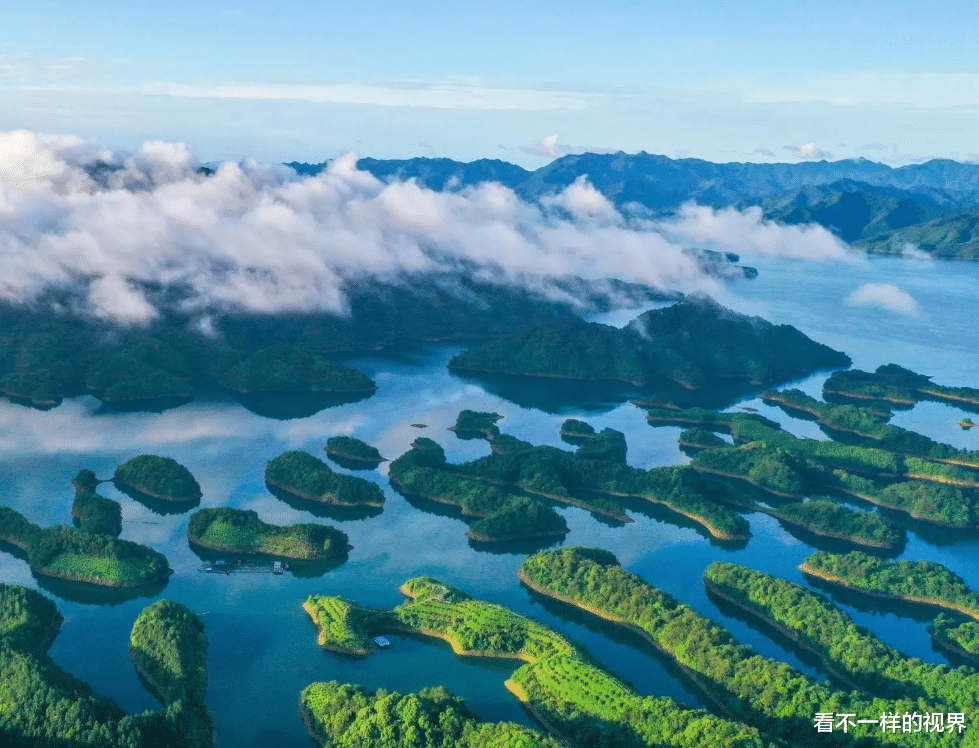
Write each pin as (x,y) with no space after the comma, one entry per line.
(521,81)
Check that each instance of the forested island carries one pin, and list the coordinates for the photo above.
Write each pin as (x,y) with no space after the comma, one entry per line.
(895,384)
(832,519)
(168,645)
(431,718)
(78,556)
(959,639)
(501,515)
(471,423)
(873,427)
(47,706)
(158,477)
(771,695)
(694,342)
(353,450)
(307,477)
(566,692)
(241,531)
(47,355)
(923,582)
(782,464)
(594,478)
(294,369)
(848,651)
(97,514)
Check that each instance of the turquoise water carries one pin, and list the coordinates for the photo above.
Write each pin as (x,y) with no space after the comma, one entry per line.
(262,645)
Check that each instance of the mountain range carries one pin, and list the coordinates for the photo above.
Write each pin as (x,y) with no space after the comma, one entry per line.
(933,206)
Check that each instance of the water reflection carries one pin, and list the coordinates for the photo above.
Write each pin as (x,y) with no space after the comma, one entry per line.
(324,509)
(284,406)
(93,594)
(161,507)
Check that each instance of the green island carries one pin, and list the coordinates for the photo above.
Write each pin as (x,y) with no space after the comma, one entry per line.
(895,384)
(872,425)
(355,450)
(785,465)
(147,369)
(74,555)
(97,514)
(848,651)
(967,423)
(159,477)
(693,342)
(348,716)
(241,531)
(471,423)
(831,519)
(307,477)
(776,698)
(959,639)
(573,698)
(46,706)
(595,478)
(923,582)
(168,645)
(699,438)
(577,429)
(503,516)
(288,368)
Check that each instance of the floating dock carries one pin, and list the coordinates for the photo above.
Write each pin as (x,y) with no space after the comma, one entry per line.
(244,567)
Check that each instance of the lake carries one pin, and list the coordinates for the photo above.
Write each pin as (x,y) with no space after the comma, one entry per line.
(263,648)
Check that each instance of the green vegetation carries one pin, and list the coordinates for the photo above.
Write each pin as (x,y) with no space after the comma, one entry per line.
(693,342)
(339,625)
(305,476)
(954,236)
(961,639)
(475,422)
(848,650)
(97,514)
(78,556)
(775,697)
(28,620)
(574,427)
(241,531)
(46,707)
(347,716)
(293,369)
(563,688)
(873,425)
(159,477)
(607,444)
(520,518)
(913,581)
(85,481)
(349,448)
(423,471)
(143,370)
(701,439)
(830,518)
(169,648)
(778,462)
(893,383)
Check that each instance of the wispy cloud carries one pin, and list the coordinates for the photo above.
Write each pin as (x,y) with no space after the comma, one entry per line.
(928,90)
(394,94)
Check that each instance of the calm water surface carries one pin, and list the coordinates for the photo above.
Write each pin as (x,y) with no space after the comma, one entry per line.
(262,645)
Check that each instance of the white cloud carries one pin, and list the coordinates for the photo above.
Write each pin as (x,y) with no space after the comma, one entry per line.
(884,296)
(808,151)
(108,227)
(549,147)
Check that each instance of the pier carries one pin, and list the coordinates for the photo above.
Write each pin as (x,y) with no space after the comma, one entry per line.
(244,567)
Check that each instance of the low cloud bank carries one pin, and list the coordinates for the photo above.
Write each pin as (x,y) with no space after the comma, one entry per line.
(250,237)
(884,296)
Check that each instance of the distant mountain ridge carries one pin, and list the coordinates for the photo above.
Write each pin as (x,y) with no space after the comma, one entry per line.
(660,184)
